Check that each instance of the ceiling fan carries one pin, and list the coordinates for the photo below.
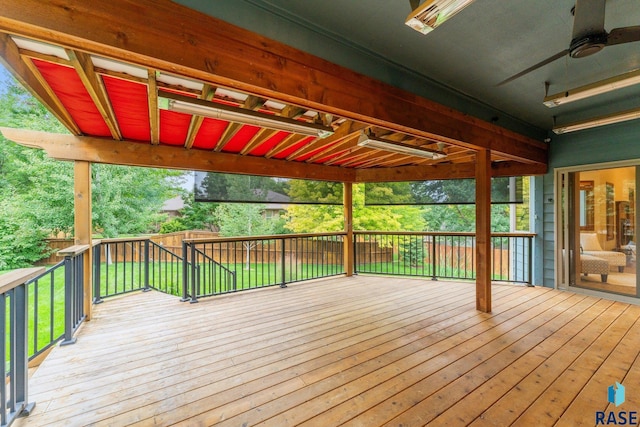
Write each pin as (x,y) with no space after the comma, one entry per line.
(588,36)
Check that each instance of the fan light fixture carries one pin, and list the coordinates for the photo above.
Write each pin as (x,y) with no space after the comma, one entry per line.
(593,89)
(184,104)
(366,140)
(599,121)
(432,13)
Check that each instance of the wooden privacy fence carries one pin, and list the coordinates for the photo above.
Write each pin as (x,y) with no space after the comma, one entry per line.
(125,247)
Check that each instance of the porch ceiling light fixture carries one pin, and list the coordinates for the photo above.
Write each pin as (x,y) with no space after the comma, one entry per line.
(184,104)
(432,13)
(366,140)
(593,89)
(598,121)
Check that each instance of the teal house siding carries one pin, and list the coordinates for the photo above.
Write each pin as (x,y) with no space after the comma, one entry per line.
(601,145)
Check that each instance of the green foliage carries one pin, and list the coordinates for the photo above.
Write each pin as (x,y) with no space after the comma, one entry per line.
(172,226)
(198,215)
(326,218)
(36,192)
(21,240)
(240,219)
(127,200)
(412,251)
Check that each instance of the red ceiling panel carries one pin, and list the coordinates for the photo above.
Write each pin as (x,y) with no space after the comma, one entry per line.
(294,147)
(174,127)
(264,148)
(68,87)
(209,133)
(240,139)
(131,106)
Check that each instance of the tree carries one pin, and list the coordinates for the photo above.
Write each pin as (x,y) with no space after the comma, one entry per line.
(243,219)
(128,200)
(36,192)
(325,218)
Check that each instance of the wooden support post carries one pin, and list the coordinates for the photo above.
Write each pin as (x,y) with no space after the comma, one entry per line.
(483,231)
(348,228)
(83,226)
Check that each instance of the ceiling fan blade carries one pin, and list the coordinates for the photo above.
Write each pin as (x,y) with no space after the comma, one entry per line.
(535,67)
(588,18)
(624,35)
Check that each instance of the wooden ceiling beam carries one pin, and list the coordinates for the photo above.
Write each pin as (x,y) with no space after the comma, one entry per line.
(154,111)
(95,87)
(29,76)
(391,160)
(44,57)
(345,144)
(101,150)
(346,129)
(258,139)
(214,51)
(352,155)
(196,121)
(229,132)
(285,144)
(445,171)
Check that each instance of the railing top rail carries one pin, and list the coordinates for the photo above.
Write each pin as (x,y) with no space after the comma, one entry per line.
(515,234)
(443,233)
(121,239)
(269,237)
(73,250)
(17,277)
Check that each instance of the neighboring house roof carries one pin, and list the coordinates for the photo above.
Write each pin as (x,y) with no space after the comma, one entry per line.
(173,205)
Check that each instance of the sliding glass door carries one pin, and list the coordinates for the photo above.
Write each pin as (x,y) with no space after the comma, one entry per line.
(598,223)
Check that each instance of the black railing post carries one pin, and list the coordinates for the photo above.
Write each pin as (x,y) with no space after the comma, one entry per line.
(185,273)
(434,261)
(69,276)
(3,358)
(283,283)
(21,376)
(194,274)
(147,259)
(79,291)
(354,242)
(97,261)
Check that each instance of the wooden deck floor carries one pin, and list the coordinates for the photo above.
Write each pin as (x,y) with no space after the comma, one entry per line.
(362,351)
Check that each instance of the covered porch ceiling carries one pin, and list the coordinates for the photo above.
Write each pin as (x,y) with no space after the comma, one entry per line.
(104,73)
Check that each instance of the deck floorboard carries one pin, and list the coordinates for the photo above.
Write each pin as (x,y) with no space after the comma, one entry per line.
(362,351)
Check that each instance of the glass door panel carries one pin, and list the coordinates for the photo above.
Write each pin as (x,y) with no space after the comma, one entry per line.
(600,235)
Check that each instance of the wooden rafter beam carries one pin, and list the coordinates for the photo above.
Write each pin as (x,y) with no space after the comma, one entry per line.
(95,87)
(222,54)
(345,144)
(29,76)
(285,144)
(253,103)
(196,121)
(229,132)
(348,157)
(346,129)
(391,159)
(292,112)
(260,137)
(100,150)
(154,111)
